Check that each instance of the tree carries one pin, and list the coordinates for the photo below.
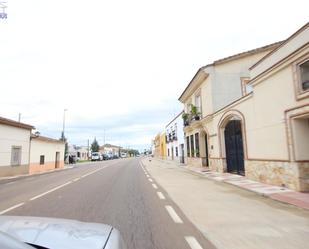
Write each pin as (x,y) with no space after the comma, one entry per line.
(95,146)
(66,146)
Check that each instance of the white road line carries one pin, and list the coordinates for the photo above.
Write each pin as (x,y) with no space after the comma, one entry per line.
(49,191)
(76,179)
(11,208)
(193,242)
(150,180)
(147,176)
(173,214)
(154,186)
(92,172)
(161,196)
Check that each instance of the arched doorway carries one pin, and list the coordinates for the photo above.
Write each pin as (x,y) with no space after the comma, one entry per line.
(234,147)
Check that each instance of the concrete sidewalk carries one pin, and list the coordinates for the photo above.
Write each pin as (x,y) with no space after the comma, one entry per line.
(229,216)
(281,194)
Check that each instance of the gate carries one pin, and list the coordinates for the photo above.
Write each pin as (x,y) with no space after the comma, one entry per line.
(234,147)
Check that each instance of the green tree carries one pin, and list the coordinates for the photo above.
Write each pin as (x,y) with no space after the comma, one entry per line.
(95,146)
(66,146)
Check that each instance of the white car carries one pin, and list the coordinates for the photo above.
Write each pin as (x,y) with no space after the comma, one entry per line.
(96,156)
(21,232)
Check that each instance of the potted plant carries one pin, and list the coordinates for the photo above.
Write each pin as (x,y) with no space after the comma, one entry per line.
(185,117)
(194,112)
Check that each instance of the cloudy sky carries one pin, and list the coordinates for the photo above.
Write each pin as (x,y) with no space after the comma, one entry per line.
(119,66)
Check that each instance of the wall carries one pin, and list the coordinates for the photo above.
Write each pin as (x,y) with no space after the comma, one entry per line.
(226,79)
(48,149)
(178,123)
(13,136)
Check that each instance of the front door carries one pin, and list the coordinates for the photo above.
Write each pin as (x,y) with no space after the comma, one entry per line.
(234,147)
(172,153)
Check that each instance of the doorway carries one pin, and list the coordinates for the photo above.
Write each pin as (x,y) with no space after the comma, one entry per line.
(57,160)
(234,147)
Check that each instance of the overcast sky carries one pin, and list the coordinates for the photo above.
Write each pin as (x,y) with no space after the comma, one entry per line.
(121,65)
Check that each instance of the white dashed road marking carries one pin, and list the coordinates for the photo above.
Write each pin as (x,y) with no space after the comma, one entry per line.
(11,208)
(51,190)
(193,242)
(161,196)
(150,180)
(154,186)
(173,214)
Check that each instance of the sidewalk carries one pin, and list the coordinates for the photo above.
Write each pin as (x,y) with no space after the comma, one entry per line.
(229,215)
(281,194)
(5,179)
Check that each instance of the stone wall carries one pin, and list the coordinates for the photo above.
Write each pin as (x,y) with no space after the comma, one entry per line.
(217,164)
(194,162)
(293,175)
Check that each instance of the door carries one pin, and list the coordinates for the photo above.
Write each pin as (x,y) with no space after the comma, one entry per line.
(182,155)
(57,160)
(172,153)
(234,147)
(206,150)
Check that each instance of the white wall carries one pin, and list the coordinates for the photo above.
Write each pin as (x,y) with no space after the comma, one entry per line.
(48,149)
(13,136)
(226,79)
(180,136)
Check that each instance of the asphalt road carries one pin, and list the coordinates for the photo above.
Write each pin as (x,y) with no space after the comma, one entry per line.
(118,192)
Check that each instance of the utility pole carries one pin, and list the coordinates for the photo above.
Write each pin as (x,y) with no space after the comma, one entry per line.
(19,117)
(63,124)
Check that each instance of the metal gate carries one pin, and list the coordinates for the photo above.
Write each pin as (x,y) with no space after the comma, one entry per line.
(234,147)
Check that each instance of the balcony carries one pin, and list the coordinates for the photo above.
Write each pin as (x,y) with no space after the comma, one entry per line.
(170,137)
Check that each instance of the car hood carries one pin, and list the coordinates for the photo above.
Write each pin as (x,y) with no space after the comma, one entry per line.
(56,233)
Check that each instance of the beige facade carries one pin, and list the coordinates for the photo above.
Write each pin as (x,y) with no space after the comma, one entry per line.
(83,153)
(45,154)
(14,147)
(264,121)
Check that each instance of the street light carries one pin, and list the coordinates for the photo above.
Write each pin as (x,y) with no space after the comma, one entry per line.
(63,138)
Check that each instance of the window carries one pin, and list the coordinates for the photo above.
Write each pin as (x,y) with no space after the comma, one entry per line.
(246,87)
(304,75)
(198,103)
(192,145)
(188,146)
(176,150)
(16,156)
(42,159)
(197,145)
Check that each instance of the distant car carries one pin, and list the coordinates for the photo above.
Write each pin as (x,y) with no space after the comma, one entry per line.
(21,232)
(96,156)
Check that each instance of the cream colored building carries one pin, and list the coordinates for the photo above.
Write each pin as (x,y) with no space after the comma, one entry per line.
(260,126)
(14,147)
(45,154)
(83,153)
(109,149)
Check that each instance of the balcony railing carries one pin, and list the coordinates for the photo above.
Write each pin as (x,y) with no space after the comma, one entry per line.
(191,118)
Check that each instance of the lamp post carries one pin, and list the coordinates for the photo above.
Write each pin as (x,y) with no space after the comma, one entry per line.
(63,137)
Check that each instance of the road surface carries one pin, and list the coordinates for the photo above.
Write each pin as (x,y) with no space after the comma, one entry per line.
(117,192)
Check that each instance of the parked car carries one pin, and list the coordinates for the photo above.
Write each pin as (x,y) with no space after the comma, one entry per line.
(21,232)
(96,156)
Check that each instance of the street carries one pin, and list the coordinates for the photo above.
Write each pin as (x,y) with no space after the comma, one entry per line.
(117,192)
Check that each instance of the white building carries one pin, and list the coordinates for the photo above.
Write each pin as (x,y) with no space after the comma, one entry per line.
(14,147)
(175,149)
(46,154)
